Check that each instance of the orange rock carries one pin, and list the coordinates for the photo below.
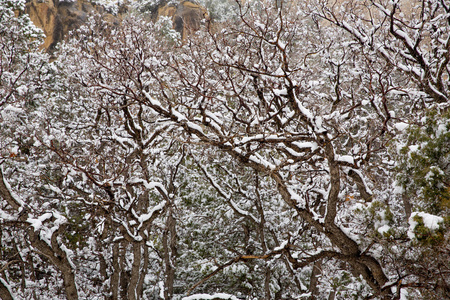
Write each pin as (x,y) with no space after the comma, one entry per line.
(57,18)
(187,17)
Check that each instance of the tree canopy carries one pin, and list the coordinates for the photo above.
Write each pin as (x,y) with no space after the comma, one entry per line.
(291,150)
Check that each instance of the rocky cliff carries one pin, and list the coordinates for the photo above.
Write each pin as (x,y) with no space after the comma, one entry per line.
(56,18)
(186,16)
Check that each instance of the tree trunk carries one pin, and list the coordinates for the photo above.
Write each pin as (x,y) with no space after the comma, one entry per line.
(170,251)
(313,285)
(407,206)
(267,283)
(143,272)
(135,272)
(115,277)
(124,275)
(4,291)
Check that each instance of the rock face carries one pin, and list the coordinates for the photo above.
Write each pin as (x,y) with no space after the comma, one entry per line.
(187,16)
(56,18)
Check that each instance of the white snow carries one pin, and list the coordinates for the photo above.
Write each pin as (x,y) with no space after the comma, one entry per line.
(150,185)
(9,107)
(241,211)
(137,238)
(152,100)
(22,90)
(296,197)
(389,283)
(368,190)
(349,233)
(345,158)
(282,92)
(210,297)
(442,128)
(5,284)
(258,137)
(195,127)
(413,148)
(8,187)
(178,115)
(161,289)
(6,217)
(301,145)
(250,138)
(37,223)
(436,90)
(46,233)
(53,188)
(355,32)
(404,294)
(383,229)
(281,247)
(14,150)
(292,152)
(69,255)
(214,117)
(400,126)
(430,221)
(259,160)
(147,216)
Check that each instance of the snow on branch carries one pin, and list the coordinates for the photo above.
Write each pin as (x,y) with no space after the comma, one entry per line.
(210,297)
(227,196)
(46,233)
(8,194)
(152,185)
(243,258)
(150,215)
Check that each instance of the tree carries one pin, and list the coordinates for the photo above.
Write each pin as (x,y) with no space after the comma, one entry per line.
(20,60)
(319,136)
(257,157)
(251,95)
(99,186)
(24,75)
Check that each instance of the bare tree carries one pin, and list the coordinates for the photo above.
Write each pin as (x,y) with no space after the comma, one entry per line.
(254,157)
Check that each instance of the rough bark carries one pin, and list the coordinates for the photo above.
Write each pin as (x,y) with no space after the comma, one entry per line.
(53,252)
(4,291)
(407,206)
(135,272)
(169,244)
(115,277)
(313,284)
(267,283)
(145,266)
(124,275)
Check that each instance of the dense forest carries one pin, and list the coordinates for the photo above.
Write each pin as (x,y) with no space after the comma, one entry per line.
(281,150)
